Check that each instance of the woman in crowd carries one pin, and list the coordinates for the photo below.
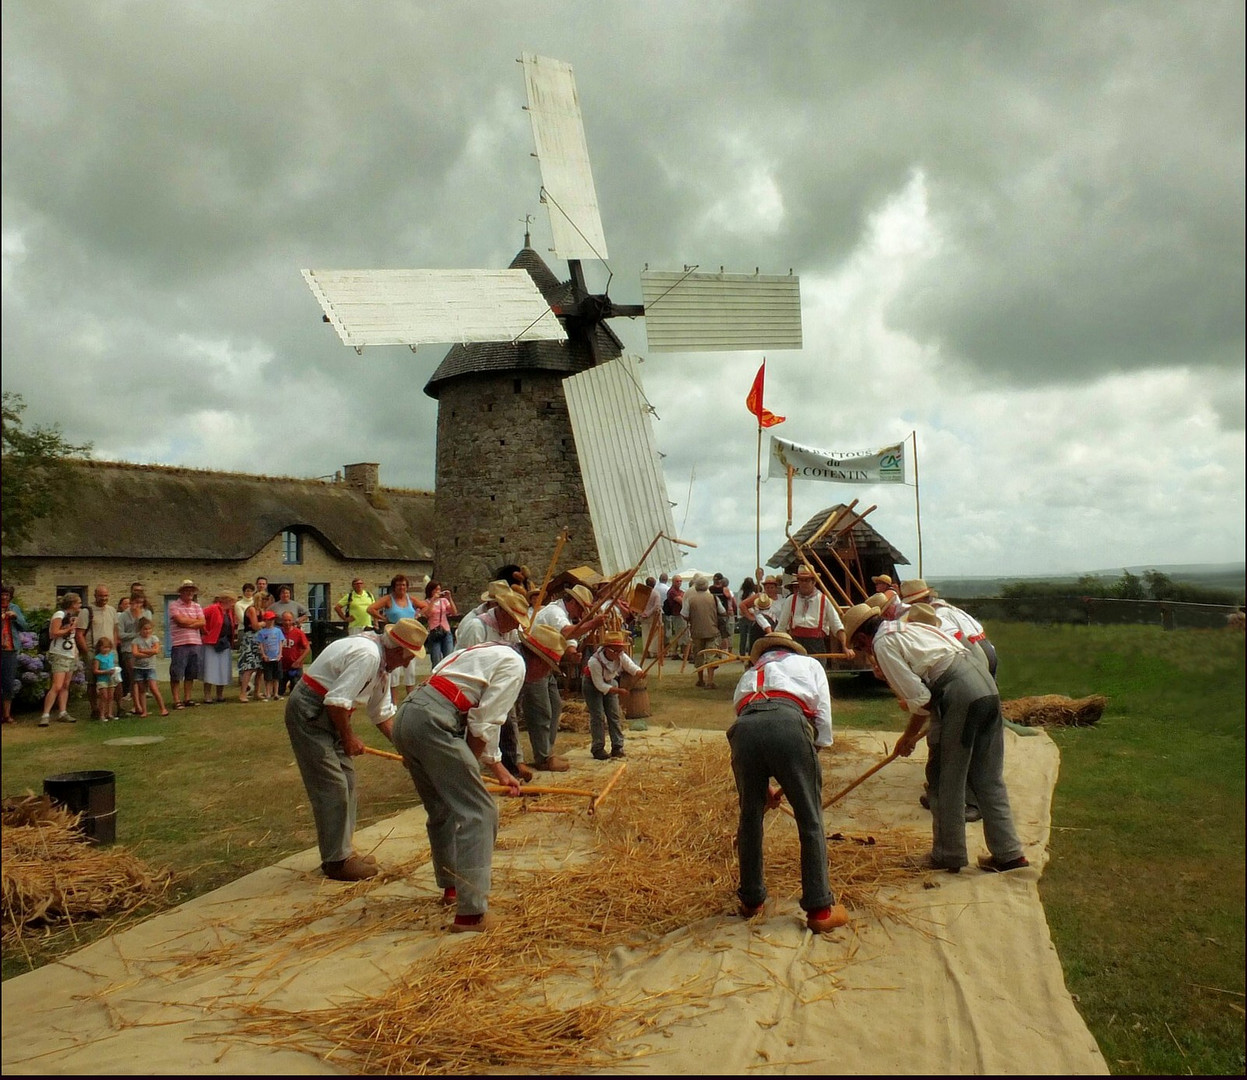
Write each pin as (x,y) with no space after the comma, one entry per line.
(218,642)
(62,658)
(398,604)
(250,659)
(14,623)
(439,606)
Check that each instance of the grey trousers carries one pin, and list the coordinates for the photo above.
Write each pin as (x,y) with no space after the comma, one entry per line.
(774,739)
(327,770)
(462,818)
(603,711)
(542,708)
(966,744)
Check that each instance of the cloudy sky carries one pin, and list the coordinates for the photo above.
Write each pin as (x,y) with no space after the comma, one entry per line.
(1018,226)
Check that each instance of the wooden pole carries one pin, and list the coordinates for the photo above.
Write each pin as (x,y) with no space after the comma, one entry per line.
(554,560)
(917,501)
(865,776)
(597,801)
(382,753)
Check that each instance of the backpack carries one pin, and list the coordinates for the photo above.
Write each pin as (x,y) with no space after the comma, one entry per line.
(45,636)
(672,604)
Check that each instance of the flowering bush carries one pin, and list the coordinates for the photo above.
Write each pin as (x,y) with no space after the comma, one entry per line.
(33,674)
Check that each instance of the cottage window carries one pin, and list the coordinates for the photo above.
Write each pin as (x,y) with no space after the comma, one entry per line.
(318,600)
(291,547)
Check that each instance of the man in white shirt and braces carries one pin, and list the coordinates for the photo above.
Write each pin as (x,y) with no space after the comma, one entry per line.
(937,682)
(783,718)
(446,730)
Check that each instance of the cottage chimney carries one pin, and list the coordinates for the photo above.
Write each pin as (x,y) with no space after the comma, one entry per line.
(365,475)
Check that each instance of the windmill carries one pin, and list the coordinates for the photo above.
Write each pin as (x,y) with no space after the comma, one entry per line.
(523,320)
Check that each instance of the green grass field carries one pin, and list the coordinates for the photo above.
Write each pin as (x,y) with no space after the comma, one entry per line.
(1144,891)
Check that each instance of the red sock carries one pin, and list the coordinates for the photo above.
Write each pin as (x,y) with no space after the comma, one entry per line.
(449,893)
(468,920)
(821,913)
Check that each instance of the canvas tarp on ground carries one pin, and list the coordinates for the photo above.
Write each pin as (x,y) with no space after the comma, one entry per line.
(971,983)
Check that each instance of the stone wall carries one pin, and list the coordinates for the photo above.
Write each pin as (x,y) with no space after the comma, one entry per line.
(508,480)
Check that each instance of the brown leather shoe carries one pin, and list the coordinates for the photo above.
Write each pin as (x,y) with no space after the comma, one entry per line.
(353,869)
(553,763)
(820,923)
(486,922)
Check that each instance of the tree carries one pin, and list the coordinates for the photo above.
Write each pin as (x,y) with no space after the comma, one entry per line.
(36,480)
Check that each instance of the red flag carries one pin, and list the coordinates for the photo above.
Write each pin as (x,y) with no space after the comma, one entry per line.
(754,401)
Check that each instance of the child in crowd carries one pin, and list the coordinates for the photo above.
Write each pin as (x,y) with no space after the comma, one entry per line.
(145,650)
(270,641)
(107,674)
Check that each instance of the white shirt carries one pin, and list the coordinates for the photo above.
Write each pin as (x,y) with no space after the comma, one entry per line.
(653,606)
(813,612)
(605,672)
(801,677)
(912,656)
(353,669)
(490,677)
(477,629)
(960,624)
(555,615)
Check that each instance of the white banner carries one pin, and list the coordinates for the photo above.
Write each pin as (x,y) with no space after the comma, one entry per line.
(886,466)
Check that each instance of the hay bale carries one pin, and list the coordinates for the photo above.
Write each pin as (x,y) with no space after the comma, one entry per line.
(31,809)
(1054,710)
(49,875)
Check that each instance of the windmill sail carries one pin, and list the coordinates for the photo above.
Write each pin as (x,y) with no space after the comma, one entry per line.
(419,307)
(721,312)
(559,134)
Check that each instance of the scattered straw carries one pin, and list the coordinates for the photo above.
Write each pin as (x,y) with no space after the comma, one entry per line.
(534,996)
(1055,710)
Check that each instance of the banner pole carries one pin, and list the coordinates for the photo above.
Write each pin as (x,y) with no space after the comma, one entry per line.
(757,530)
(917,501)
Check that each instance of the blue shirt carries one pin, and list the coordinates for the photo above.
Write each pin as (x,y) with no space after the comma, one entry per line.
(270,640)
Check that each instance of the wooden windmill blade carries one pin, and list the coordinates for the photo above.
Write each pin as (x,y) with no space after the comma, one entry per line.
(418,307)
(563,154)
(690,312)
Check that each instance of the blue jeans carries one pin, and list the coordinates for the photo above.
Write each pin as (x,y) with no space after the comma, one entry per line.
(439,644)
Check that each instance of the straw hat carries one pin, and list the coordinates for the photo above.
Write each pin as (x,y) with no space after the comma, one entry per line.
(763,602)
(406,634)
(546,642)
(805,570)
(917,589)
(771,641)
(616,638)
(773,579)
(879,601)
(188,584)
(884,581)
(514,605)
(581,594)
(922,613)
(855,616)
(495,589)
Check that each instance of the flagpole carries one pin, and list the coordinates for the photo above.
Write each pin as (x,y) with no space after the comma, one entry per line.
(757,488)
(917,501)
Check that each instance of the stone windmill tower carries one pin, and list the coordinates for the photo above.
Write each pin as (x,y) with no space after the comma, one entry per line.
(508,475)
(526,403)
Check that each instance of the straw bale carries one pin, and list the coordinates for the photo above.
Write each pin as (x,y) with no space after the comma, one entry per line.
(575,716)
(50,875)
(1055,710)
(32,809)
